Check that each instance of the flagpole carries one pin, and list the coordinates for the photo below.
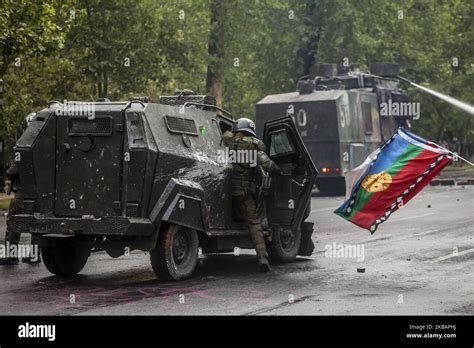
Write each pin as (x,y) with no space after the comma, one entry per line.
(452,153)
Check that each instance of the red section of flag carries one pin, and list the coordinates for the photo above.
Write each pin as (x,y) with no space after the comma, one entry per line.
(380,202)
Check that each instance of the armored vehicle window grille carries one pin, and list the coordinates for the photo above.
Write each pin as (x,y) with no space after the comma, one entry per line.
(367,117)
(131,209)
(97,127)
(181,125)
(28,207)
(117,226)
(21,226)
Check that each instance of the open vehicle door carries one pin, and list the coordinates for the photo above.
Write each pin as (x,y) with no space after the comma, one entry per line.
(290,194)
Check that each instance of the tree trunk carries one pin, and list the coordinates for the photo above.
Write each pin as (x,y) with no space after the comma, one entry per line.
(100,86)
(106,83)
(444,121)
(216,50)
(312,21)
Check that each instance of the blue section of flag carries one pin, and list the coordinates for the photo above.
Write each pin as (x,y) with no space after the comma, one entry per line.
(389,155)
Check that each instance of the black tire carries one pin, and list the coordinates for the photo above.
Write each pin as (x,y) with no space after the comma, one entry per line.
(176,254)
(115,252)
(65,261)
(284,245)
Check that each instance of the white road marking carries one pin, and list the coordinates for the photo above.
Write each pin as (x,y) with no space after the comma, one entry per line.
(422,233)
(320,210)
(450,256)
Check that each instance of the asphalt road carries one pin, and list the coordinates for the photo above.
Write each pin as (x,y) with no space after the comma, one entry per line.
(410,268)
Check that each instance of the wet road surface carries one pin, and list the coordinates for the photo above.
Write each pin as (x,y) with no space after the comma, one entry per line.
(420,261)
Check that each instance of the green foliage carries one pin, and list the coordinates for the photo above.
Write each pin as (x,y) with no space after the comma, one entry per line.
(79,49)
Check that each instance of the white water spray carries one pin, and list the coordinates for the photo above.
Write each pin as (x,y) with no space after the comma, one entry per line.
(453,101)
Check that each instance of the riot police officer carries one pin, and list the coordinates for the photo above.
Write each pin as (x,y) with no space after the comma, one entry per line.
(12,184)
(243,140)
(16,207)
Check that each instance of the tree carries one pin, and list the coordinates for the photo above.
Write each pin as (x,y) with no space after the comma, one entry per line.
(31,33)
(216,50)
(237,50)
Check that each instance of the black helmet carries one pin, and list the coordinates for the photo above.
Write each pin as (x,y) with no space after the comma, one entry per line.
(245,125)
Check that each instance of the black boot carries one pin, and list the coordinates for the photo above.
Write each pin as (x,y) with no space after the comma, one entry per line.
(263,264)
(8,261)
(30,260)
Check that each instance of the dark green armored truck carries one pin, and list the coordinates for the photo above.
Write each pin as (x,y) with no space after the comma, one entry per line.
(120,176)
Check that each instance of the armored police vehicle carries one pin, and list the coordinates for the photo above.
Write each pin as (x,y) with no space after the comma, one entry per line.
(338,116)
(120,176)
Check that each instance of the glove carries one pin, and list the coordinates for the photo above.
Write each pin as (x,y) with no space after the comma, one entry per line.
(278,171)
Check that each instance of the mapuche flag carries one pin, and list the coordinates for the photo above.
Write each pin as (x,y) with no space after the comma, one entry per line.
(390,177)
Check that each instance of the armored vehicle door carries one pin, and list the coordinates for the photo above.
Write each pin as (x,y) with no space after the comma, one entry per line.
(290,193)
(88,164)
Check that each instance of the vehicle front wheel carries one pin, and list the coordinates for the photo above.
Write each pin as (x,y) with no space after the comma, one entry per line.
(65,260)
(176,254)
(284,245)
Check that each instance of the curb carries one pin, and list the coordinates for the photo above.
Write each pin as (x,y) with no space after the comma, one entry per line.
(452,182)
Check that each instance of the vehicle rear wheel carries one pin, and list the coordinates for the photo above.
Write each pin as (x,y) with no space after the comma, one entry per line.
(176,254)
(65,260)
(284,245)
